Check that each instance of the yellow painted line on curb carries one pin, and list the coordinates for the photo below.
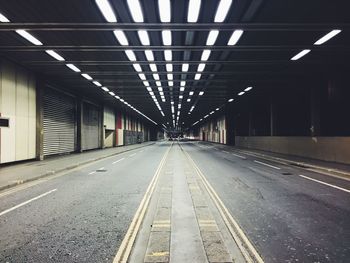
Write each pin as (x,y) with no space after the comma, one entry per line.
(251,255)
(324,183)
(130,236)
(26,202)
(158,254)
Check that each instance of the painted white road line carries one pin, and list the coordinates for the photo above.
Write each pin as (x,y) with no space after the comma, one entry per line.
(225,151)
(274,167)
(131,155)
(117,161)
(92,172)
(26,202)
(102,168)
(239,156)
(321,182)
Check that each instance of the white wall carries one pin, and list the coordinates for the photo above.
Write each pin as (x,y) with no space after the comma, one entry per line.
(109,118)
(18,103)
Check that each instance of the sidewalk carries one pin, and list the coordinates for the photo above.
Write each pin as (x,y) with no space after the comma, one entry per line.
(20,173)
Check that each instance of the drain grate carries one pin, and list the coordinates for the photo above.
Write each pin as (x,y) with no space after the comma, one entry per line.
(286,173)
(101,170)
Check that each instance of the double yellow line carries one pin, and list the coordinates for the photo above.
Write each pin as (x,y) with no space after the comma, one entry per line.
(130,236)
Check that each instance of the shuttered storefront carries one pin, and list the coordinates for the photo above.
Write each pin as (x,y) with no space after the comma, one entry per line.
(59,123)
(91,136)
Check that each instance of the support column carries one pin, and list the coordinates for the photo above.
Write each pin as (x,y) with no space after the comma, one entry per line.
(39,121)
(315,107)
(79,125)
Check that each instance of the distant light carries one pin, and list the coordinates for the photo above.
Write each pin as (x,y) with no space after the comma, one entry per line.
(87,76)
(230,100)
(156,76)
(222,10)
(212,36)
(117,97)
(185,67)
(181,97)
(146,83)
(151,93)
(149,55)
(160,89)
(191,93)
(217,109)
(158,83)
(153,67)
(106,10)
(248,89)
(168,55)
(201,93)
(142,76)
(121,37)
(29,37)
(130,54)
(183,83)
(188,100)
(201,67)
(193,11)
(135,10)
(3,19)
(170,83)
(72,67)
(169,67)
(149,89)
(164,10)
(182,88)
(236,35)
(197,76)
(241,93)
(98,84)
(166,35)
(143,36)
(54,55)
(111,93)
(170,76)
(300,54)
(205,55)
(327,37)
(137,67)
(105,89)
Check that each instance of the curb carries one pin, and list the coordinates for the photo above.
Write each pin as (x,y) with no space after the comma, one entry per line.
(67,168)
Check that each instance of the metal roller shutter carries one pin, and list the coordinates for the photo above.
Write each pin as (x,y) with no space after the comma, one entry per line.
(91,127)
(59,123)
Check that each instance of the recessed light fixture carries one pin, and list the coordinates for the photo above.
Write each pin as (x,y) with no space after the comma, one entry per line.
(137,67)
(168,55)
(201,67)
(142,76)
(149,55)
(87,76)
(170,83)
(143,36)
(236,35)
(160,89)
(193,10)
(158,83)
(105,89)
(135,10)
(146,83)
(181,97)
(185,67)
(153,67)
(201,93)
(164,10)
(205,55)
(155,76)
(121,37)
(72,67)
(130,54)
(54,55)
(106,10)
(166,35)
(230,100)
(3,19)
(191,93)
(98,84)
(170,76)
(197,76)
(248,88)
(222,10)
(183,83)
(169,67)
(327,37)
(29,37)
(241,93)
(111,93)
(149,89)
(188,100)
(182,88)
(300,54)
(212,36)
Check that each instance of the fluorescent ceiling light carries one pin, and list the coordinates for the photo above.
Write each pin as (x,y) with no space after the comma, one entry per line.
(143,36)
(106,10)
(300,54)
(155,76)
(98,84)
(201,67)
(197,76)
(111,93)
(142,76)
(160,89)
(170,76)
(153,67)
(166,35)
(117,97)
(29,37)
(130,54)
(201,93)
(212,36)
(105,89)
(183,83)
(149,55)
(87,76)
(121,37)
(146,83)
(72,67)
(193,11)
(149,89)
(327,37)
(135,10)
(168,55)
(241,93)
(137,67)
(236,35)
(248,89)
(217,109)
(182,88)
(185,67)
(188,100)
(191,93)
(169,67)
(161,93)
(164,10)
(170,83)
(3,19)
(205,54)
(158,83)
(151,93)
(54,55)
(230,100)
(222,10)
(181,97)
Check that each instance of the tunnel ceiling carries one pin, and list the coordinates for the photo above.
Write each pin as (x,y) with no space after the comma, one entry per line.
(273,32)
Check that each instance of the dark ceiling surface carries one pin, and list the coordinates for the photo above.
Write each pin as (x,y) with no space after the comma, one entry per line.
(274,31)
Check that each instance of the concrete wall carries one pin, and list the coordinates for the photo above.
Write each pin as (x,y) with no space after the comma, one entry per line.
(18,103)
(214,130)
(109,126)
(333,149)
